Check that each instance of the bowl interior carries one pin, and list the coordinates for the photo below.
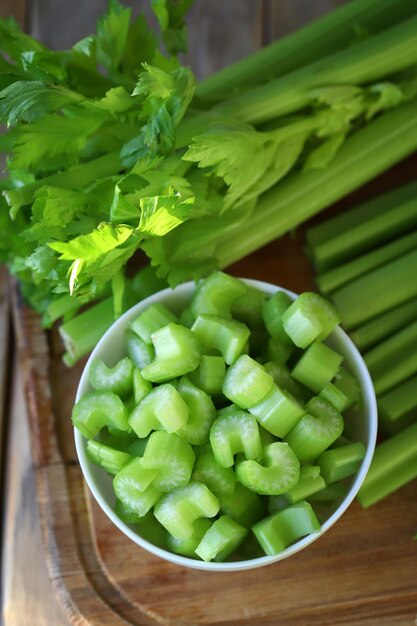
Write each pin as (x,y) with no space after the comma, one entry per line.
(361,422)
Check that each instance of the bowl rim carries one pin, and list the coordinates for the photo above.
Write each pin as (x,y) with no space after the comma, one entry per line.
(184,290)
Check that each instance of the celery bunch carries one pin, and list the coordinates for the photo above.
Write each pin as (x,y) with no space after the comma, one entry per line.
(114,149)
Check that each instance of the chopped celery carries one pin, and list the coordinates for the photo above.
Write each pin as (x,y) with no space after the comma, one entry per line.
(215,295)
(317,366)
(108,458)
(330,493)
(393,465)
(278,351)
(210,374)
(227,336)
(177,511)
(378,328)
(308,318)
(156,316)
(315,431)
(244,506)
(282,377)
(273,309)
(126,515)
(133,487)
(117,379)
(162,409)
(246,382)
(281,529)
(233,433)
(278,412)
(247,308)
(342,392)
(340,462)
(279,472)
(220,480)
(173,459)
(139,352)
(187,547)
(98,409)
(202,412)
(221,539)
(141,387)
(309,483)
(177,352)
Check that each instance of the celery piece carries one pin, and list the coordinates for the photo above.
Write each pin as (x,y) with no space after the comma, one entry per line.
(141,387)
(401,276)
(177,352)
(202,412)
(187,547)
(368,234)
(137,447)
(150,529)
(81,333)
(378,328)
(162,409)
(187,317)
(139,352)
(283,528)
(308,318)
(233,433)
(247,308)
(280,470)
(125,514)
(173,459)
(215,295)
(398,406)
(341,274)
(317,366)
(278,351)
(244,506)
(310,482)
(177,511)
(329,493)
(153,318)
(272,310)
(246,382)
(227,336)
(117,379)
(316,430)
(342,392)
(210,374)
(283,379)
(221,539)
(98,409)
(108,458)
(341,462)
(394,360)
(393,465)
(220,480)
(133,487)
(278,412)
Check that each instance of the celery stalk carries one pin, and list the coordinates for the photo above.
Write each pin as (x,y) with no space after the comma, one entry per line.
(380,327)
(314,41)
(388,52)
(393,465)
(399,404)
(366,153)
(394,360)
(383,288)
(338,276)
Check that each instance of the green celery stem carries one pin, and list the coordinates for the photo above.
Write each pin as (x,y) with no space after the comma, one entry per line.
(365,154)
(316,40)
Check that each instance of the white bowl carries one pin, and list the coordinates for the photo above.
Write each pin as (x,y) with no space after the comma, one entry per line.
(110,348)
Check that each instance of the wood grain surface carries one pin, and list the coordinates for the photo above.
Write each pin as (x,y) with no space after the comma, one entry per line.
(362,573)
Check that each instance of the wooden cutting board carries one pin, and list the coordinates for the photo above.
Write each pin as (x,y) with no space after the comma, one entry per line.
(363,572)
